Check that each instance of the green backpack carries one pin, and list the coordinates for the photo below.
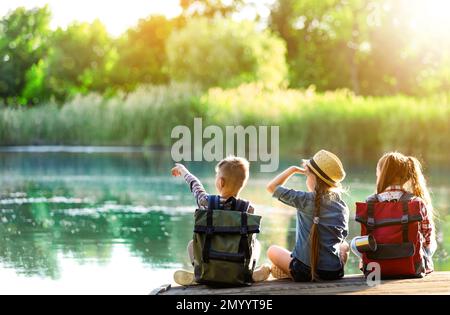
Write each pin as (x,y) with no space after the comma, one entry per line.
(224,242)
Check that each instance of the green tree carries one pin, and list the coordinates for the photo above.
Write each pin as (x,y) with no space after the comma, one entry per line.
(325,41)
(365,45)
(405,59)
(80,60)
(23,43)
(220,52)
(142,53)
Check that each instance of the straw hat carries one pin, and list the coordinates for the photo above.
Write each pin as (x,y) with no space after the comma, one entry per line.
(327,167)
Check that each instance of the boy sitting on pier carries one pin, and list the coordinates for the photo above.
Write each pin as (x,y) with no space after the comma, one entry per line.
(232,175)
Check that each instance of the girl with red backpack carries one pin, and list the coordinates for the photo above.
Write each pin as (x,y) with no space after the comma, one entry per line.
(397,222)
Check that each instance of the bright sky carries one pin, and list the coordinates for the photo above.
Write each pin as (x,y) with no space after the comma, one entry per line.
(117,15)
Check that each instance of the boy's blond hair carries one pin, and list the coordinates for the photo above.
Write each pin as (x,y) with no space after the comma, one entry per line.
(235,171)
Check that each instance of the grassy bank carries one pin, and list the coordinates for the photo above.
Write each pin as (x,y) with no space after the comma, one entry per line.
(339,121)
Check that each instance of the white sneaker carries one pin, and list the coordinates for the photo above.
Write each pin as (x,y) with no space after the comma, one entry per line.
(277,273)
(262,273)
(183,277)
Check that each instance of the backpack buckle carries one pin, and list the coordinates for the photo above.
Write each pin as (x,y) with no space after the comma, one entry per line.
(209,230)
(405,219)
(244,230)
(371,222)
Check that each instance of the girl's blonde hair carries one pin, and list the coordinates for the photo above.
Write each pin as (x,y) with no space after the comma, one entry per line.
(398,169)
(321,189)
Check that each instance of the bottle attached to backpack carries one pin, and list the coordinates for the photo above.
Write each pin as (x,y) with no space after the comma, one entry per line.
(224,242)
(395,227)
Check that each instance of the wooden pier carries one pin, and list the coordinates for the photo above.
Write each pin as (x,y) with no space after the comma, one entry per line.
(435,283)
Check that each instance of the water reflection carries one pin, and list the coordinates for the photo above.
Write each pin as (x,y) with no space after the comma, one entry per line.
(34,233)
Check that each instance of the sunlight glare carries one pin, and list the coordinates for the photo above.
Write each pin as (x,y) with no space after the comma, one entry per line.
(117,15)
(431,17)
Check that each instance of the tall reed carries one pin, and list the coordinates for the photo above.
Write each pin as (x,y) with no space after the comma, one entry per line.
(339,120)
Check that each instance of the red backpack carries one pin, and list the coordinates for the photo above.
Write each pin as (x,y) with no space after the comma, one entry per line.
(396,229)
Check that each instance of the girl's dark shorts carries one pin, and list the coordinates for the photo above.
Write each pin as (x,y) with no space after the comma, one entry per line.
(302,273)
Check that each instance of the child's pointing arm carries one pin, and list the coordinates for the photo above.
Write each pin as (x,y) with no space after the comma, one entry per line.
(194,183)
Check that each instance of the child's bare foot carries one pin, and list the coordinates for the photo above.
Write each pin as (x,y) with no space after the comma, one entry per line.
(277,273)
(183,277)
(262,273)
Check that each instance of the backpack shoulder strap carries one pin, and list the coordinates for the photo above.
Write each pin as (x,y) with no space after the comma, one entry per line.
(404,199)
(372,198)
(213,202)
(242,205)
(407,196)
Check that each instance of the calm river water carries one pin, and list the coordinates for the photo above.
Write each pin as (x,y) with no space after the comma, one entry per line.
(81,220)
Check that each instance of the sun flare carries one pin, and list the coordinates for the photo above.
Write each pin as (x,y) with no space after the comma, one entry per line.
(117,15)
(431,17)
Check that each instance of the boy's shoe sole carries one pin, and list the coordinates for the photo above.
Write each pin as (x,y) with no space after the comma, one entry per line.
(183,277)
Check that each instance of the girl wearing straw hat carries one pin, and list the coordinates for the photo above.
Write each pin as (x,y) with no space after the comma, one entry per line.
(320,251)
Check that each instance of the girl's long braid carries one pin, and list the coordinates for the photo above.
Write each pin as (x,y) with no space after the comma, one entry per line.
(320,189)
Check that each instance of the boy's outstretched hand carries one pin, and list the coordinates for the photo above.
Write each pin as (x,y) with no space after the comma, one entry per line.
(179,170)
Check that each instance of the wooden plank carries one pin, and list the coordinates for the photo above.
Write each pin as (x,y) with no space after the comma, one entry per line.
(161,289)
(436,283)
